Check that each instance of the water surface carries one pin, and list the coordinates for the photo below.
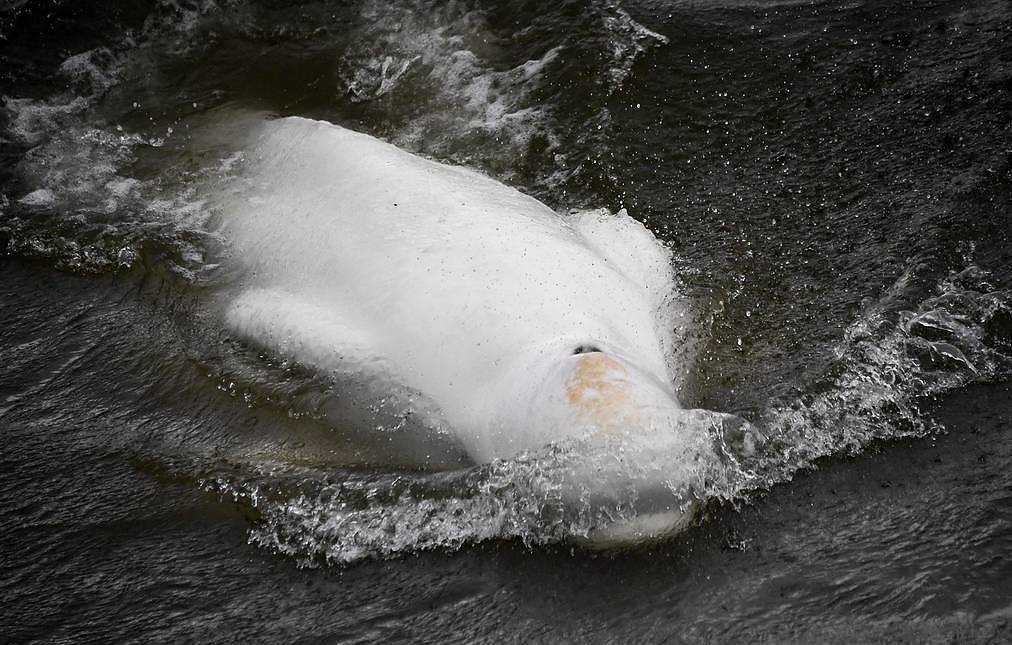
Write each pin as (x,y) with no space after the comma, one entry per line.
(834,180)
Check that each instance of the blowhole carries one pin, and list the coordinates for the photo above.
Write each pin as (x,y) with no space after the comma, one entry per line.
(586,349)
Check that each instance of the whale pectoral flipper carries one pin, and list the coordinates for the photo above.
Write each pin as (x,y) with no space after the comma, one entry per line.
(315,333)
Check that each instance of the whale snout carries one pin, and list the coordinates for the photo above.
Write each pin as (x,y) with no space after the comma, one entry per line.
(629,463)
(647,462)
(649,483)
(637,487)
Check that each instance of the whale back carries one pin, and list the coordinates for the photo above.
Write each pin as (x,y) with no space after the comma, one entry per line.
(355,250)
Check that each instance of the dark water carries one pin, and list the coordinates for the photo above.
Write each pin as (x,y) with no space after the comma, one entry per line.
(834,178)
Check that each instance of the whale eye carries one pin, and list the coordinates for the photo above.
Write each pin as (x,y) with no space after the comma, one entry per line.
(586,349)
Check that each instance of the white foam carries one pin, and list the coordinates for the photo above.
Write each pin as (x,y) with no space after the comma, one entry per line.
(80,172)
(627,40)
(40,197)
(32,120)
(469,95)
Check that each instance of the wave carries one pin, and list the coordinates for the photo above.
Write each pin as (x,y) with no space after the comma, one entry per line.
(892,362)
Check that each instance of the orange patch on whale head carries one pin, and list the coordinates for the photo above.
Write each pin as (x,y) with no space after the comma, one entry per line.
(596,393)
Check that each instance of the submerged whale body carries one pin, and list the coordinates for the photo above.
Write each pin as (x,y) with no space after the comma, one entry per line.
(524,327)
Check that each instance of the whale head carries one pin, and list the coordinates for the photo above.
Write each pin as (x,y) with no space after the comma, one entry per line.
(588,392)
(629,444)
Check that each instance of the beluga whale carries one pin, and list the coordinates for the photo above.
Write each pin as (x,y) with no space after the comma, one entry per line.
(524,327)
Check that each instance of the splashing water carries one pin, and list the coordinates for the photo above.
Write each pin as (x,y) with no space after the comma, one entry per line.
(891,362)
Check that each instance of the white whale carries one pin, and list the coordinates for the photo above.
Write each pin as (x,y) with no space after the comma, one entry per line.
(524,327)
